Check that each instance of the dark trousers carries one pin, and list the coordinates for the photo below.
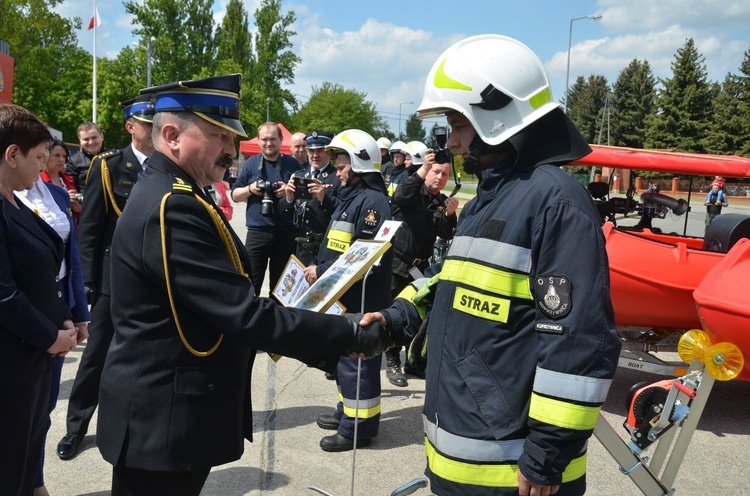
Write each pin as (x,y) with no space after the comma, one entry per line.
(24,416)
(54,393)
(133,482)
(271,248)
(369,389)
(85,393)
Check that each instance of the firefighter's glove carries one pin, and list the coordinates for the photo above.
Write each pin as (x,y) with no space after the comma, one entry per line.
(371,340)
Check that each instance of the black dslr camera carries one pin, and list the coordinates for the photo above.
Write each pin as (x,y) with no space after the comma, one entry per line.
(267,188)
(442,154)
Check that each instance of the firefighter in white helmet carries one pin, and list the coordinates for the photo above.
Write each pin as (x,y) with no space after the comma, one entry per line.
(522,344)
(361,209)
(397,169)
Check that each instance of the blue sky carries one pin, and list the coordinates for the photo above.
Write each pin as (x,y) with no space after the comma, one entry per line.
(386,48)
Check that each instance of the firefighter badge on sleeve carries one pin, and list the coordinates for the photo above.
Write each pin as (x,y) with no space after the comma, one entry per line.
(371,218)
(553,295)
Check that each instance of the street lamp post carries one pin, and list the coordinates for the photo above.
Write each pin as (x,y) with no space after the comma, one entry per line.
(148,58)
(593,17)
(148,62)
(399,116)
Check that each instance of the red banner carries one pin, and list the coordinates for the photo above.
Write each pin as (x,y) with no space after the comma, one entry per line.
(6,78)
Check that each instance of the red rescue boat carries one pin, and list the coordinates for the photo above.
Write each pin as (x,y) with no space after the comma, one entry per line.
(723,301)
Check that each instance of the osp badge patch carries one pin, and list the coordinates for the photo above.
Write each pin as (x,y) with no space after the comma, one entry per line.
(553,295)
(371,218)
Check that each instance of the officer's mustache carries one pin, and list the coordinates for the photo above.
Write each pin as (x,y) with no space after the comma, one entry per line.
(224,161)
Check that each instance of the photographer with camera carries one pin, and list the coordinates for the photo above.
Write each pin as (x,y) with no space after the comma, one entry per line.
(425,213)
(262,182)
(310,197)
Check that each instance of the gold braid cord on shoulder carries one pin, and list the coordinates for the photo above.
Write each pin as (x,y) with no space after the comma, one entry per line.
(229,246)
(109,191)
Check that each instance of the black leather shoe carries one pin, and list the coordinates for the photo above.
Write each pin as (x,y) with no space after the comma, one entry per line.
(412,370)
(395,377)
(68,446)
(329,376)
(337,442)
(328,422)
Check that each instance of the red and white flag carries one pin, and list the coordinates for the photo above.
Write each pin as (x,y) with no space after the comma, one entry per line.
(95,21)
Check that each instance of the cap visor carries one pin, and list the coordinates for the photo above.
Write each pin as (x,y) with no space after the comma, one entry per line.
(227,123)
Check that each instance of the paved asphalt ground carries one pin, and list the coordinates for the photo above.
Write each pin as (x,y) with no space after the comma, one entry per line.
(285,458)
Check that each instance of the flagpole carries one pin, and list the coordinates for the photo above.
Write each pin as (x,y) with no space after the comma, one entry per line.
(94,75)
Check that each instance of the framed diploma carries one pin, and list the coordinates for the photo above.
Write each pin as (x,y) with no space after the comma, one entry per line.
(349,268)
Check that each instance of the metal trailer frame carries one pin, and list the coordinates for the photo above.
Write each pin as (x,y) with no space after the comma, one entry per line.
(647,474)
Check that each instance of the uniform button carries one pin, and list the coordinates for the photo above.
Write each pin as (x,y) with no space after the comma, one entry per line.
(211,387)
(59,294)
(57,278)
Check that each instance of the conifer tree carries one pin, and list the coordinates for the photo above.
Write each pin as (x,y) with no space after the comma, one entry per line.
(632,102)
(684,105)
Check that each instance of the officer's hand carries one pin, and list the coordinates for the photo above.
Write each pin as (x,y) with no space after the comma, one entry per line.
(290,190)
(528,488)
(371,317)
(91,294)
(368,341)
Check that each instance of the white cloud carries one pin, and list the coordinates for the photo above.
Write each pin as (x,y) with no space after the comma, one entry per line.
(387,62)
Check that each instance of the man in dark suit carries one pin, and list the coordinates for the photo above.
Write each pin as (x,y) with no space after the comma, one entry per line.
(312,213)
(175,388)
(110,181)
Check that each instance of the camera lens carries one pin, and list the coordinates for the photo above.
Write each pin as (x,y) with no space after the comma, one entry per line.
(443,156)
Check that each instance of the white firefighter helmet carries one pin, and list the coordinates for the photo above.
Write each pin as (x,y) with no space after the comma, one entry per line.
(417,151)
(362,149)
(384,142)
(397,147)
(498,83)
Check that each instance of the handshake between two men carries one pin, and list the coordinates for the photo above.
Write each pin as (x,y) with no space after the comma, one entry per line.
(371,335)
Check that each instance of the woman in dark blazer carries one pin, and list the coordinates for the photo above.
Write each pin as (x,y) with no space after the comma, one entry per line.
(36,323)
(52,203)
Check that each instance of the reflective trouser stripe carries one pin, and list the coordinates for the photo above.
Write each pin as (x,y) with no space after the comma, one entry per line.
(489,475)
(487,278)
(367,408)
(563,414)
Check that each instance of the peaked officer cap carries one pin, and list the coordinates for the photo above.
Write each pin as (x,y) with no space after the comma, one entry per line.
(215,99)
(318,139)
(140,107)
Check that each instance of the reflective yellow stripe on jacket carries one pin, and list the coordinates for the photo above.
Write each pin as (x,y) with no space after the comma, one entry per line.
(486,474)
(340,236)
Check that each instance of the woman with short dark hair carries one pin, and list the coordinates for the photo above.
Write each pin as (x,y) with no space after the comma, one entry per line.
(36,323)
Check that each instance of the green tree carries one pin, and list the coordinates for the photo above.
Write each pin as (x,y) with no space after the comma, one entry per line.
(273,65)
(729,132)
(43,43)
(684,105)
(335,109)
(233,37)
(729,129)
(587,105)
(414,130)
(183,33)
(632,102)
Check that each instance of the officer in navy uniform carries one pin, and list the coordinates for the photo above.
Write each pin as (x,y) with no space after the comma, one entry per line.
(175,388)
(312,215)
(361,210)
(109,183)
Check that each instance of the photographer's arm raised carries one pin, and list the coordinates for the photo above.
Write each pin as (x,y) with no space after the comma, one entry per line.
(242,194)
